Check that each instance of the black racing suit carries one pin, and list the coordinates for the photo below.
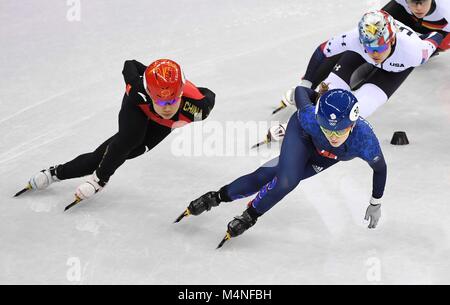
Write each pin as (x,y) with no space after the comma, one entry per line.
(140,128)
(418,25)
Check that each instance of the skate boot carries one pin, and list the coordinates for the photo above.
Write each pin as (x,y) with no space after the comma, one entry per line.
(43,179)
(202,204)
(240,224)
(40,180)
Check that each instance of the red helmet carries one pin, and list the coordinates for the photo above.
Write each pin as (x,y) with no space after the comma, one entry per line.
(164,80)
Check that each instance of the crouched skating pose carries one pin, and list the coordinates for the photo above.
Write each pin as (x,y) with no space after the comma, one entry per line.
(317,137)
(157,100)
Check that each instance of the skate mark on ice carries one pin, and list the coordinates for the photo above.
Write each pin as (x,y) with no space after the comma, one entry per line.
(48,99)
(52,136)
(42,207)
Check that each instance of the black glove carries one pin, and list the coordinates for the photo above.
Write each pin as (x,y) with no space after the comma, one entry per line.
(137,85)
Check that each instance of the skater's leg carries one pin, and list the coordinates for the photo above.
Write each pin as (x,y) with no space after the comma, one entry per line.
(87,163)
(82,165)
(296,152)
(155,134)
(240,188)
(324,70)
(378,88)
(342,72)
(250,184)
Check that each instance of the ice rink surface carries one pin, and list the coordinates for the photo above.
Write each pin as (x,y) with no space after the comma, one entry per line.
(61,89)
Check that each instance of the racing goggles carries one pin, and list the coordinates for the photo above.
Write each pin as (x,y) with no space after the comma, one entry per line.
(417,2)
(337,133)
(171,102)
(379,49)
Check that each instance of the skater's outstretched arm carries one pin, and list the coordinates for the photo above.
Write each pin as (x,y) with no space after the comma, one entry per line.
(373,212)
(370,151)
(372,154)
(208,101)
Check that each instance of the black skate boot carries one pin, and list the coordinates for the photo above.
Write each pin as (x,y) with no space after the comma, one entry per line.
(40,180)
(240,224)
(204,203)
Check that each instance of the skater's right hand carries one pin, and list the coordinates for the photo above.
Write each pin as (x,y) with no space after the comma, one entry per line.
(373,212)
(89,188)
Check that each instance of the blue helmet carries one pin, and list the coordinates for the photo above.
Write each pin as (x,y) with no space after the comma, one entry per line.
(337,109)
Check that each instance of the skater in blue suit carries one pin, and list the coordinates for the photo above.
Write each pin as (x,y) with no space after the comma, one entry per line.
(317,137)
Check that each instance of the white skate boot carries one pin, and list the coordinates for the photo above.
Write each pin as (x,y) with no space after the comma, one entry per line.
(40,180)
(43,179)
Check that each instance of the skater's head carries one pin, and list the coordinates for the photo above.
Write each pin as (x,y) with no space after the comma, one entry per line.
(377,30)
(164,82)
(336,112)
(420,8)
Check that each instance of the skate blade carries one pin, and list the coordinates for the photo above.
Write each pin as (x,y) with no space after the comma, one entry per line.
(227,237)
(184,214)
(75,202)
(259,144)
(282,106)
(27,188)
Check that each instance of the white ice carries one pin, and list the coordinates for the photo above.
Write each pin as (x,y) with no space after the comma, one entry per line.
(61,89)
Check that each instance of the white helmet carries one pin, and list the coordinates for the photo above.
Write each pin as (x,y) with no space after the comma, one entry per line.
(376,30)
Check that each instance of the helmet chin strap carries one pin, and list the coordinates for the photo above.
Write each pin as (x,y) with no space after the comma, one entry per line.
(393,43)
(432,8)
(144,80)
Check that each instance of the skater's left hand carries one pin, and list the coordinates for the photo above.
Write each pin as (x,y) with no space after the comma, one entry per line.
(288,98)
(373,212)
(89,188)
(277,133)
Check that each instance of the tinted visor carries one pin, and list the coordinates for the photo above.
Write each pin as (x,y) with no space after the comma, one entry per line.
(379,49)
(337,133)
(163,103)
